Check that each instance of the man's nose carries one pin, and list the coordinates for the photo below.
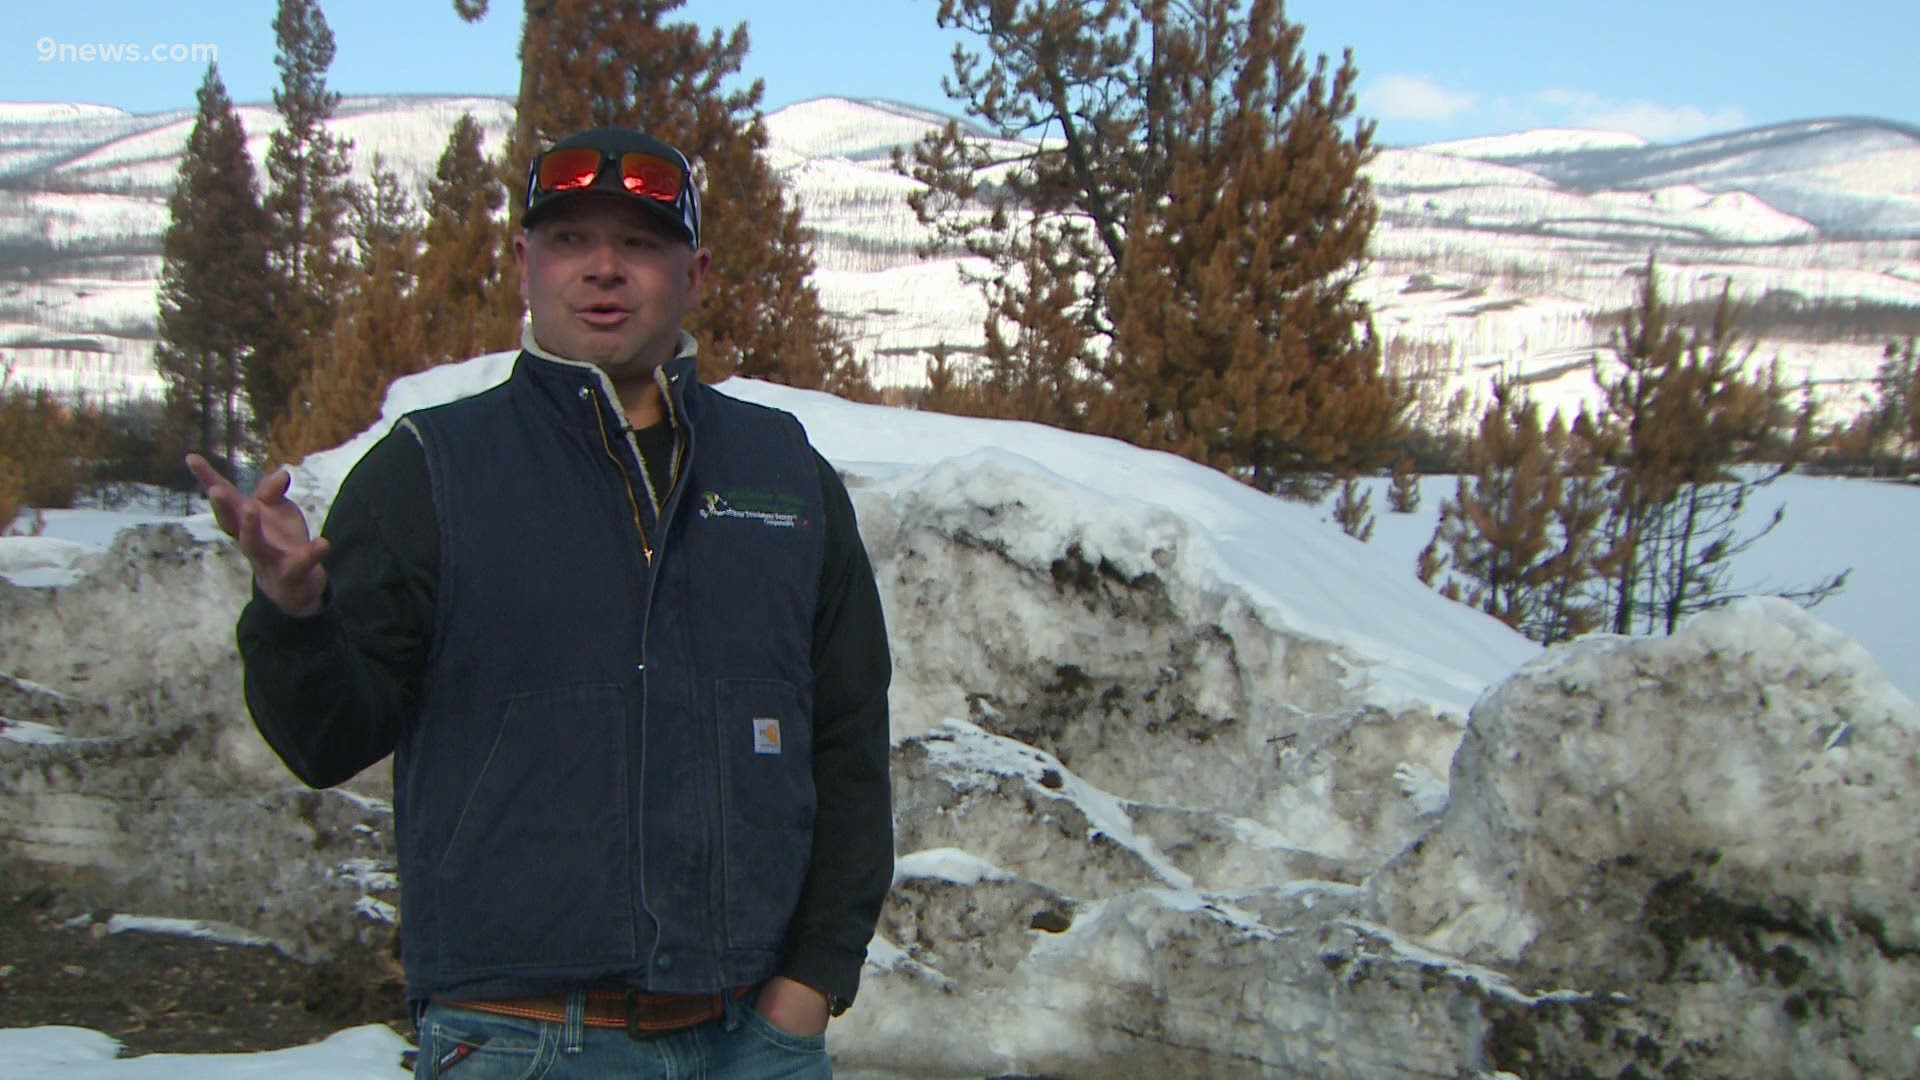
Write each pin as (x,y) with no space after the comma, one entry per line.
(603,261)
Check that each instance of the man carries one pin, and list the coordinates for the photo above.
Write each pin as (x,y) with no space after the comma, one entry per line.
(620,634)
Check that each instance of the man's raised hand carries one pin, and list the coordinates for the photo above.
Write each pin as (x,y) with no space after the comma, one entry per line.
(272,534)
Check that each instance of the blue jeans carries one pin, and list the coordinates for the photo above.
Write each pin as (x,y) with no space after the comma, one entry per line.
(461,1044)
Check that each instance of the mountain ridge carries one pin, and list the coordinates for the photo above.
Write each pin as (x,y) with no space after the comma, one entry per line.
(1828,209)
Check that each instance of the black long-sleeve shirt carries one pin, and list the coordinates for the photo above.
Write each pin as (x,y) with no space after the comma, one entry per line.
(332,693)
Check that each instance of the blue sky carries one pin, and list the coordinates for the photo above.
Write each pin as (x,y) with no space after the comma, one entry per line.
(1665,70)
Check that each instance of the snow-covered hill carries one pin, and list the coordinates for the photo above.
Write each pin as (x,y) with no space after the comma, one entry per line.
(1853,176)
(83,206)
(1491,256)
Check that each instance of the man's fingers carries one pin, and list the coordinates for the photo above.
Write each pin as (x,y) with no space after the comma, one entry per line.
(224,497)
(304,560)
(248,528)
(272,487)
(209,477)
(204,472)
(224,512)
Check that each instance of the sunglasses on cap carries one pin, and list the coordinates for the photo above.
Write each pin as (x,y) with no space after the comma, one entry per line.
(577,167)
(618,161)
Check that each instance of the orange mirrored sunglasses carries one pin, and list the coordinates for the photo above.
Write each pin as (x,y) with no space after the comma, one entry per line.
(646,175)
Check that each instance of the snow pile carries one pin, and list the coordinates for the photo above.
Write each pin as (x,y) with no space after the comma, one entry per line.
(1175,783)
(1681,856)
(1717,825)
(126,753)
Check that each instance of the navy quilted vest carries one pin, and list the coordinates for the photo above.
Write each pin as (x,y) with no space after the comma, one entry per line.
(610,779)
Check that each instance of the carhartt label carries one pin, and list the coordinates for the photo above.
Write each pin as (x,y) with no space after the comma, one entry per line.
(766,735)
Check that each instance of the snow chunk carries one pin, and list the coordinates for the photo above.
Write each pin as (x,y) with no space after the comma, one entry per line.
(960,750)
(1428,792)
(35,1052)
(947,864)
(369,874)
(884,955)
(377,910)
(30,733)
(1493,982)
(202,929)
(37,561)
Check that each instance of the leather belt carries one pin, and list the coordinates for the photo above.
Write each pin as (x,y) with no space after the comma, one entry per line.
(641,1015)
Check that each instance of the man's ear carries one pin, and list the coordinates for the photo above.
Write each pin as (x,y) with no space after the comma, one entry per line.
(697,272)
(520,261)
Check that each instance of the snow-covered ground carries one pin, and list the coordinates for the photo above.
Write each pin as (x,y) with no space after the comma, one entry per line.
(1832,524)
(1400,644)
(67,1053)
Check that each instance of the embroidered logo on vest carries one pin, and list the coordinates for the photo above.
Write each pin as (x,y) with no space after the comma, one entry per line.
(766,507)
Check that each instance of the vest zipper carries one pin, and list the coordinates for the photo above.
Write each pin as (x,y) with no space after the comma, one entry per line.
(633,502)
(673,462)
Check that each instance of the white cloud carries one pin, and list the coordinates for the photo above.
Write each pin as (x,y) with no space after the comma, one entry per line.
(1647,119)
(1413,97)
(1407,100)
(1571,100)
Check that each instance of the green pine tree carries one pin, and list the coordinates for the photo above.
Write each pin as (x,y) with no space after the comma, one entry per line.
(377,333)
(214,298)
(309,199)
(466,269)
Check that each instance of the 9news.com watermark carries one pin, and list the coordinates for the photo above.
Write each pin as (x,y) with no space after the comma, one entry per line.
(65,52)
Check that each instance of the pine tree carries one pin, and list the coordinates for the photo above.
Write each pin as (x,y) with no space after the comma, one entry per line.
(1893,423)
(472,301)
(1353,510)
(13,497)
(13,481)
(1198,189)
(591,62)
(381,216)
(1520,538)
(214,301)
(948,388)
(1912,361)
(1686,413)
(1497,530)
(1565,607)
(309,197)
(1037,352)
(44,443)
(377,334)
(1403,493)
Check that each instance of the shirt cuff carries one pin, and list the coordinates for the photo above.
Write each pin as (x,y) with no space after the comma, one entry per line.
(833,971)
(262,620)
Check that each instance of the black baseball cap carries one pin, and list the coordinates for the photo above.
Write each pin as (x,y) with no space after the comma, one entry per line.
(615,161)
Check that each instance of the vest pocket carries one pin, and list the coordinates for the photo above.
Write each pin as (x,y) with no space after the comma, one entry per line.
(535,871)
(766,776)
